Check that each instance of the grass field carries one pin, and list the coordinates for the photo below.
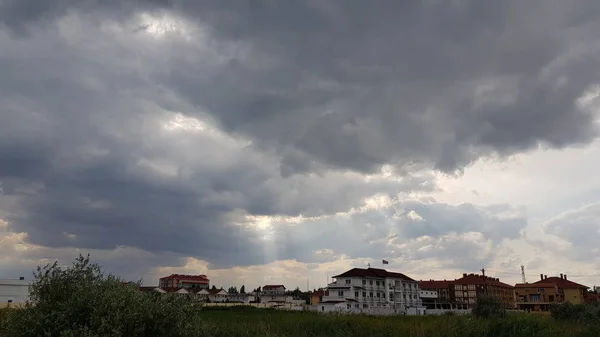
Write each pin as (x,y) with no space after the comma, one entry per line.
(243,321)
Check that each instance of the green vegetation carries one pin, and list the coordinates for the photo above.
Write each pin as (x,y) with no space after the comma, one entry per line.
(248,321)
(81,301)
(585,314)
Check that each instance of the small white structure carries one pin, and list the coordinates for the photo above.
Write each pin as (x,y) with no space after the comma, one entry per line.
(217,295)
(241,298)
(14,292)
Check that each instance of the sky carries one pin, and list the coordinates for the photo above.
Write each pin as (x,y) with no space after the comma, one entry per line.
(273,142)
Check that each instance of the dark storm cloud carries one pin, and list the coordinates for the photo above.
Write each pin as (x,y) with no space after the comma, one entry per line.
(314,85)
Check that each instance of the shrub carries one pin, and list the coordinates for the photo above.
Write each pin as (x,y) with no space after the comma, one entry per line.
(489,307)
(81,301)
(581,313)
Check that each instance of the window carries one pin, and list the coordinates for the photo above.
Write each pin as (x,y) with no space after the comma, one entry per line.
(371,282)
(540,290)
(364,282)
(391,296)
(340,293)
(371,294)
(404,296)
(349,306)
(9,301)
(348,281)
(377,283)
(356,294)
(471,287)
(365,305)
(357,306)
(378,295)
(364,294)
(415,297)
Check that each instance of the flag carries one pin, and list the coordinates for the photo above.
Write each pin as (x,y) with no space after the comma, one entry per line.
(384,262)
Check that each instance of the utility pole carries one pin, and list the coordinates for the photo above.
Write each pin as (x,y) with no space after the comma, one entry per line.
(523,274)
(484,281)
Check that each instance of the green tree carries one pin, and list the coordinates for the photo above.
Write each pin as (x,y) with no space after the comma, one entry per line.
(80,300)
(243,289)
(488,306)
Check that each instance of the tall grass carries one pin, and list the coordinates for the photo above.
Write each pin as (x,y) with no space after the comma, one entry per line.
(261,322)
(249,321)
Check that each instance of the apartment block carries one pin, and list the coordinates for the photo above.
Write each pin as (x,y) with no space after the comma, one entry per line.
(539,295)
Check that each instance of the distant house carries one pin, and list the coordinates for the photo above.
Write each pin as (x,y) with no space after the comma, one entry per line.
(241,298)
(273,290)
(184,281)
(538,296)
(274,294)
(217,295)
(317,297)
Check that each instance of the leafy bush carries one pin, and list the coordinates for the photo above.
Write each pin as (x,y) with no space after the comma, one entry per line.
(81,301)
(489,307)
(581,313)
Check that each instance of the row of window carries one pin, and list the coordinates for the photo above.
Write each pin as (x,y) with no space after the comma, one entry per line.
(382,283)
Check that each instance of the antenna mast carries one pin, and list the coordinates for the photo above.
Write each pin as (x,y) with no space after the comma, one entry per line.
(523,274)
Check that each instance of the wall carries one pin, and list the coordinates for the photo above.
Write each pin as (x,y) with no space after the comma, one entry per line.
(15,290)
(573,296)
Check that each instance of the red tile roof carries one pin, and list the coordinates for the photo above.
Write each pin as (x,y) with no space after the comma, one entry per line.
(215,291)
(373,272)
(187,277)
(561,282)
(432,284)
(273,286)
(480,279)
(318,293)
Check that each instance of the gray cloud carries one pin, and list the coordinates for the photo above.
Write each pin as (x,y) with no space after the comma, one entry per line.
(301,96)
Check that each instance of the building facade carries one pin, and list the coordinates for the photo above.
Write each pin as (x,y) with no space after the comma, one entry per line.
(184,281)
(466,289)
(14,292)
(359,289)
(442,288)
(539,295)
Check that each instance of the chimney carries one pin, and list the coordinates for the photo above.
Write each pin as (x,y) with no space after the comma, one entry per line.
(545,277)
(561,276)
(541,277)
(565,276)
(464,275)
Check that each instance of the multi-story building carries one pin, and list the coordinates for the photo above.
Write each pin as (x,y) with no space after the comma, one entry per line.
(442,288)
(466,289)
(359,289)
(14,292)
(539,295)
(274,293)
(184,281)
(462,293)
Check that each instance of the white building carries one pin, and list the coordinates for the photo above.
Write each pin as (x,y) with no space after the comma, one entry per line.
(14,292)
(373,290)
(274,294)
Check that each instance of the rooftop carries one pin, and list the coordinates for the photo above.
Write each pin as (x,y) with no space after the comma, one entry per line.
(561,282)
(187,277)
(273,286)
(373,272)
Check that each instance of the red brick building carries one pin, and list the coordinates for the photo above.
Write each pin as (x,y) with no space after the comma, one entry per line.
(184,281)
(463,292)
